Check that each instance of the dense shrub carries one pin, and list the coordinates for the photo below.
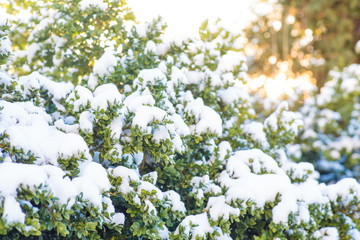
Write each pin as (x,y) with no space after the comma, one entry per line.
(160,141)
(331,133)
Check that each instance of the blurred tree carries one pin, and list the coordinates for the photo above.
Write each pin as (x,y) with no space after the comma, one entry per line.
(315,35)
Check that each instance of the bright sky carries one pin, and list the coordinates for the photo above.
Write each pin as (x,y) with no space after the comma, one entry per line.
(185,16)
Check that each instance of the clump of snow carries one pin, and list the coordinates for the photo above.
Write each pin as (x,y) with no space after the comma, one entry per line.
(207,119)
(195,77)
(180,126)
(118,219)
(116,127)
(230,60)
(36,81)
(248,170)
(145,114)
(104,95)
(80,97)
(12,211)
(13,175)
(127,175)
(105,65)
(326,233)
(233,94)
(255,131)
(200,223)
(150,76)
(176,203)
(150,47)
(58,144)
(218,208)
(344,189)
(203,185)
(5,46)
(28,128)
(283,118)
(86,122)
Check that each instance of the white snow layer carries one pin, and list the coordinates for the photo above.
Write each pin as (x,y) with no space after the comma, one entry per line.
(251,175)
(92,181)
(105,65)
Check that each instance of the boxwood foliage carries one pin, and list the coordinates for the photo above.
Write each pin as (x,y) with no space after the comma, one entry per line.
(158,141)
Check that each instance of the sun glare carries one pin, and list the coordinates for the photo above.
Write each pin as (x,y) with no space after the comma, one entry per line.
(185,16)
(283,85)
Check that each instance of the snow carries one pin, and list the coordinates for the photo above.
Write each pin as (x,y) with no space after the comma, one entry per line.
(249,179)
(61,186)
(116,127)
(89,190)
(255,159)
(180,126)
(233,94)
(354,233)
(105,65)
(161,133)
(5,46)
(137,99)
(3,19)
(104,95)
(61,125)
(195,77)
(12,211)
(150,47)
(176,203)
(201,226)
(150,76)
(207,119)
(255,130)
(86,122)
(145,114)
(36,81)
(164,233)
(245,176)
(149,208)
(80,97)
(326,233)
(224,149)
(344,189)
(118,219)
(58,144)
(218,208)
(204,185)
(142,29)
(283,118)
(5,79)
(95,173)
(21,113)
(127,175)
(84,4)
(12,175)
(231,60)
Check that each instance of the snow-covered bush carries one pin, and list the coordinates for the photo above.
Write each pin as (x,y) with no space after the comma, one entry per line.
(159,142)
(63,38)
(331,136)
(5,44)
